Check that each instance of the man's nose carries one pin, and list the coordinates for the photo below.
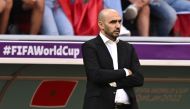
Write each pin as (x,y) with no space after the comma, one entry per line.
(118,24)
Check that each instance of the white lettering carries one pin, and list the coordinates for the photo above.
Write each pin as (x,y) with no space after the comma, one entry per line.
(38,50)
(64,50)
(24,50)
(19,52)
(46,52)
(30,50)
(41,50)
(13,51)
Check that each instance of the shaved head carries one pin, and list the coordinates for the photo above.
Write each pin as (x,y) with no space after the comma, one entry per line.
(105,13)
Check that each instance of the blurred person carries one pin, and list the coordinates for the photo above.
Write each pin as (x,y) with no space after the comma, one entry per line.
(113,5)
(135,6)
(164,17)
(112,67)
(37,7)
(116,4)
(139,11)
(82,14)
(165,12)
(55,22)
(181,25)
(2,5)
(5,9)
(179,5)
(21,7)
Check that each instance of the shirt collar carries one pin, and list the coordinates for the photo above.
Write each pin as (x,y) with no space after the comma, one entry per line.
(106,40)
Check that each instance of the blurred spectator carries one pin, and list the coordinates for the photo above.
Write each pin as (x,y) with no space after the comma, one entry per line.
(83,15)
(116,4)
(5,8)
(2,5)
(138,11)
(179,5)
(164,12)
(55,22)
(163,17)
(182,7)
(35,10)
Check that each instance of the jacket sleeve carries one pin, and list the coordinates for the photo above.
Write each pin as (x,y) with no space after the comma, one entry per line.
(136,79)
(93,70)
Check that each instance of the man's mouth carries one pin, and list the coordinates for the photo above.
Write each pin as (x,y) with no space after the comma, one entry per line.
(116,31)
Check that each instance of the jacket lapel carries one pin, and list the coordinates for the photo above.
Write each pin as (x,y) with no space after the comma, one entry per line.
(104,53)
(121,55)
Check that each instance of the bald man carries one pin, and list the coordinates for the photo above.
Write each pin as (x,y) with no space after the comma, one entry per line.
(112,67)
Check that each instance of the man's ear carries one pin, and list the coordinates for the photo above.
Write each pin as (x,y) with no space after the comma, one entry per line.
(100,24)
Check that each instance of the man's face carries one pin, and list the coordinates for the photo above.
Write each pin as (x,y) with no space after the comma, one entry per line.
(111,25)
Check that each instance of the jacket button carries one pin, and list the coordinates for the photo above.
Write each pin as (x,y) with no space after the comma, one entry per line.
(113,92)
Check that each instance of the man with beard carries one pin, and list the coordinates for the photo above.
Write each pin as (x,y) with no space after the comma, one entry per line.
(112,67)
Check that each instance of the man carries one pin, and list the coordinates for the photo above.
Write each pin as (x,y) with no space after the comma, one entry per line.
(112,67)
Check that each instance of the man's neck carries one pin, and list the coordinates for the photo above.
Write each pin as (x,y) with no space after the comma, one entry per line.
(110,38)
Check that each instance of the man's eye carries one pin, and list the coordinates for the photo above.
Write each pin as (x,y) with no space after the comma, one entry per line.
(113,21)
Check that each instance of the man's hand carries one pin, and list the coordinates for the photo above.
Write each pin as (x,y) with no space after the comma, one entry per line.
(130,72)
(113,84)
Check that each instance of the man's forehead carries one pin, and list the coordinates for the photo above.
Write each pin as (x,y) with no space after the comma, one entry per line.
(112,17)
(108,15)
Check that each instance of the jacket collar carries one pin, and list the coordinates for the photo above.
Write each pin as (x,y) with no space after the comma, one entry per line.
(106,40)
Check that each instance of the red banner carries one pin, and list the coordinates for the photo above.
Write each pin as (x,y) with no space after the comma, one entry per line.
(53,93)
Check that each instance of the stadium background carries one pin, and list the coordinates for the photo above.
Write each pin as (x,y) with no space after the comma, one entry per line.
(25,81)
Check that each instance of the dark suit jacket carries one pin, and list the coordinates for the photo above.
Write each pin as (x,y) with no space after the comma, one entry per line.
(100,72)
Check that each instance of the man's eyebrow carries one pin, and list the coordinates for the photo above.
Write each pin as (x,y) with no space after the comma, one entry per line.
(112,21)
